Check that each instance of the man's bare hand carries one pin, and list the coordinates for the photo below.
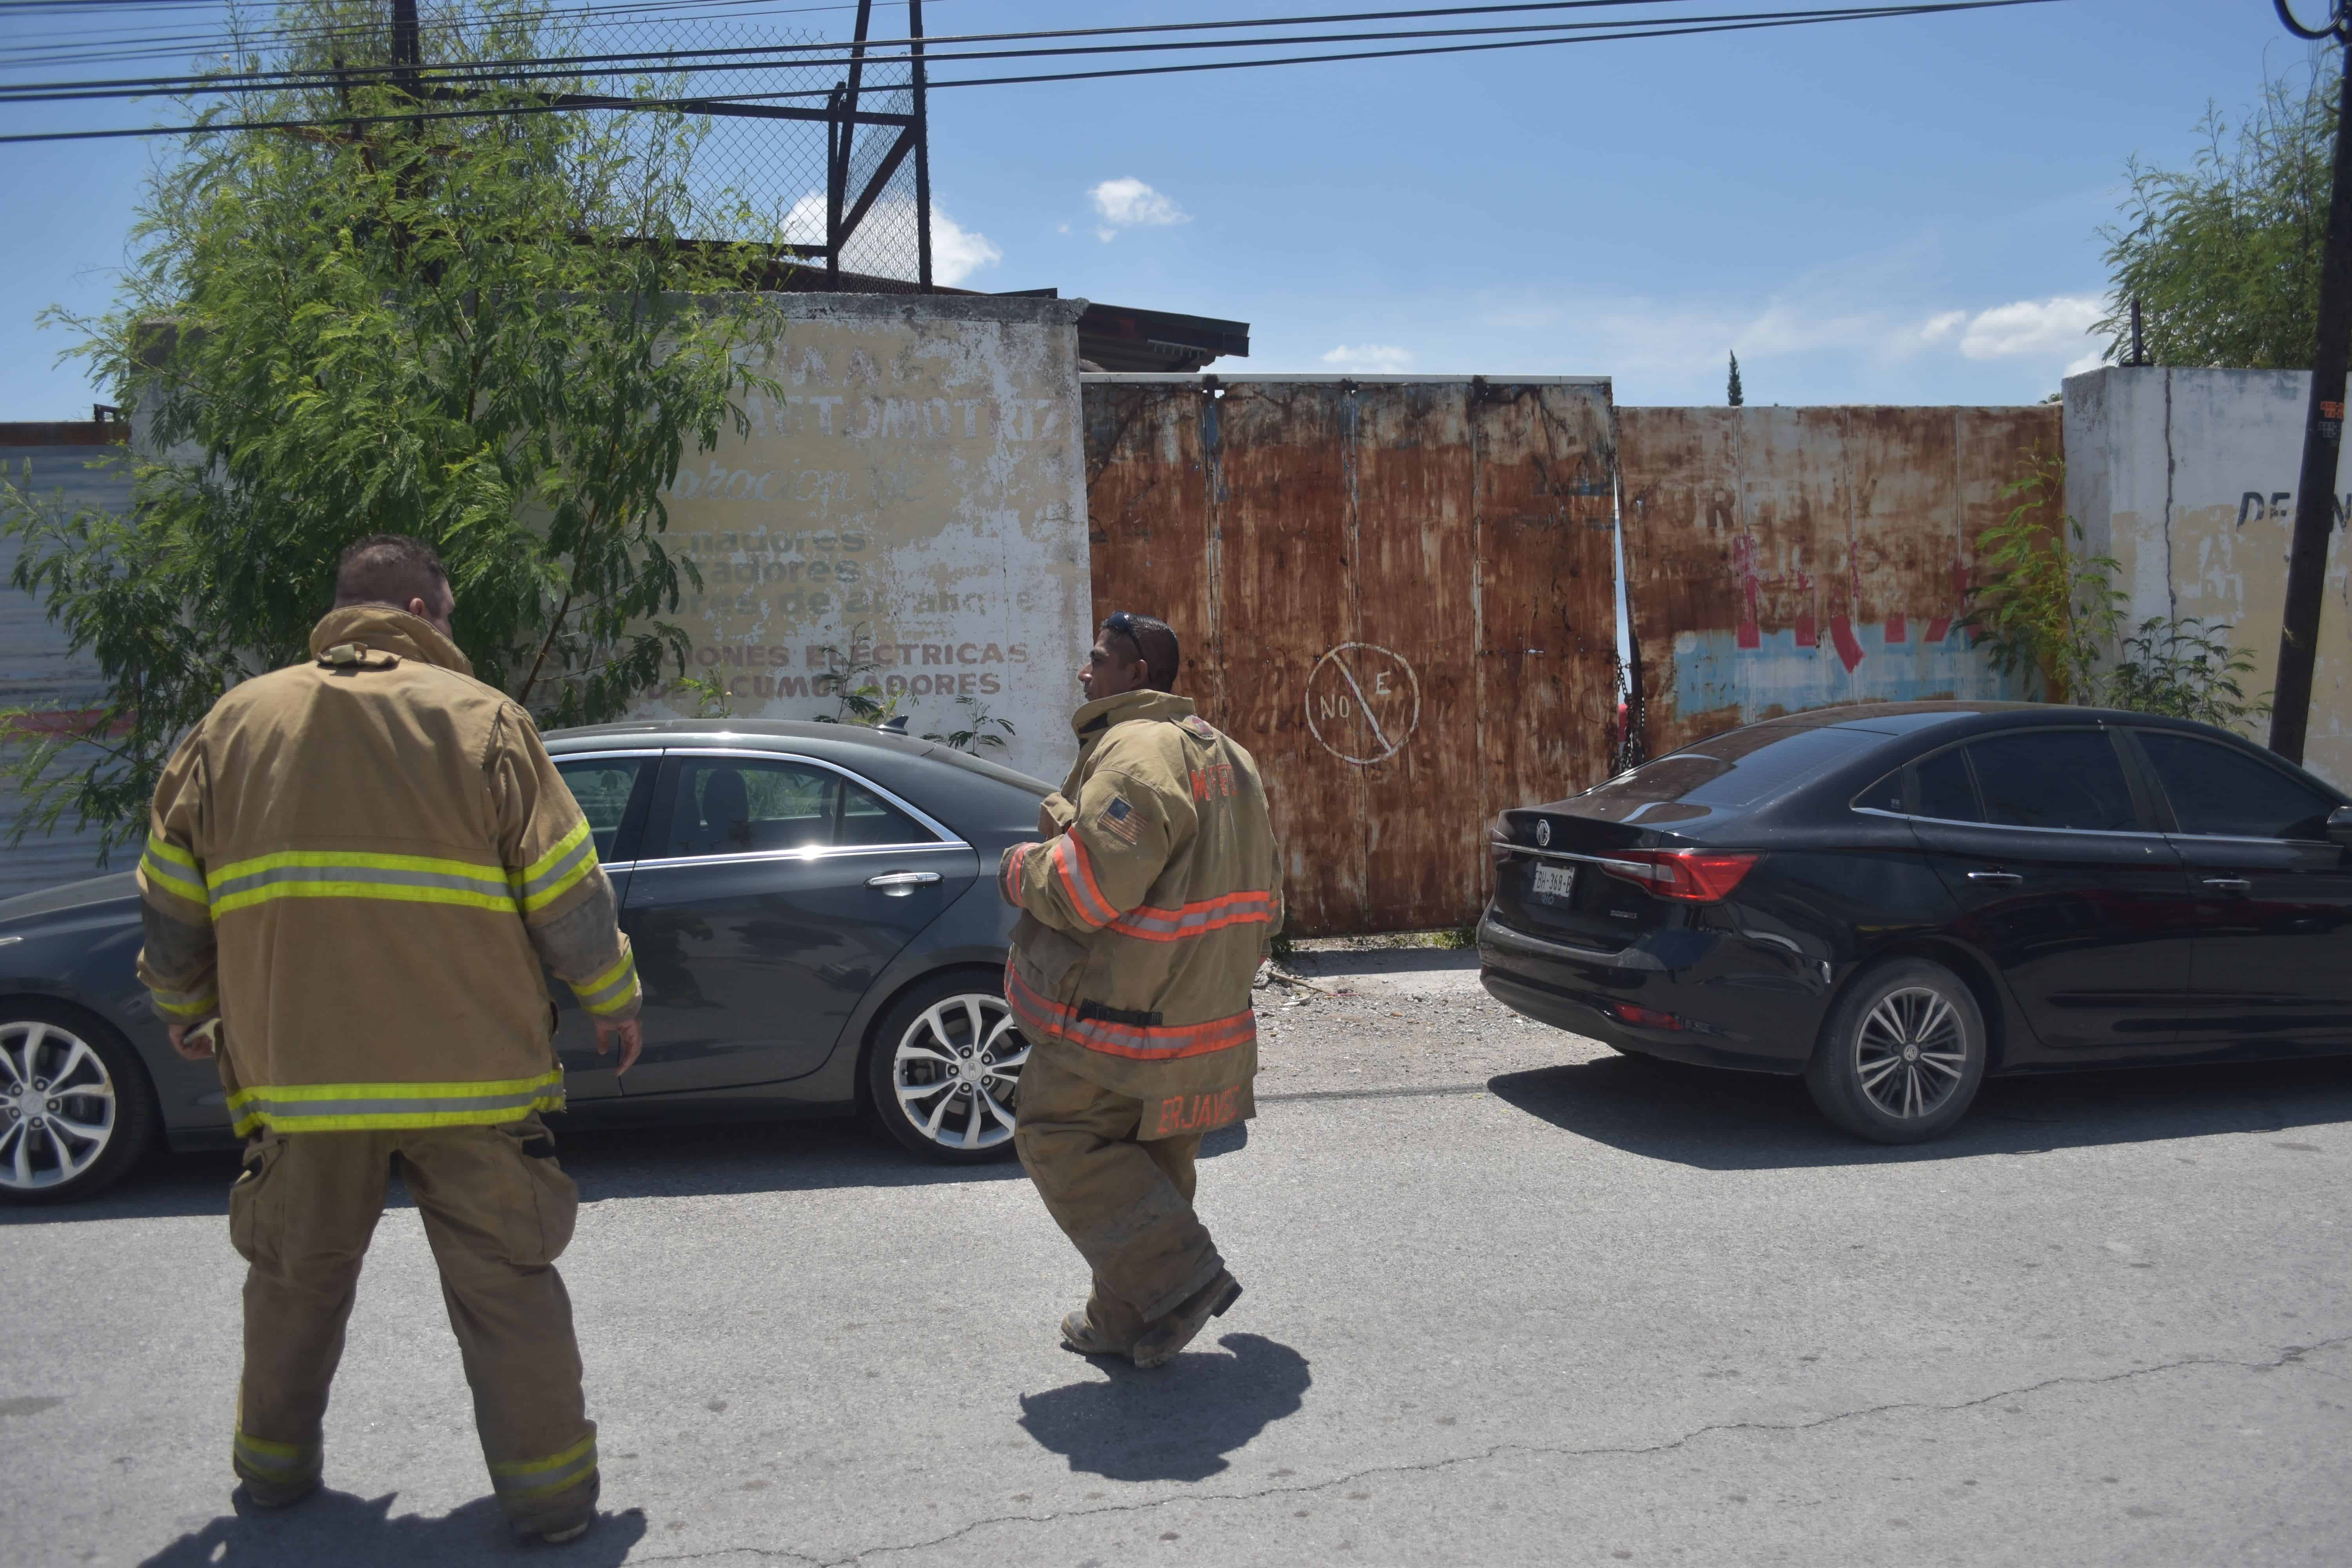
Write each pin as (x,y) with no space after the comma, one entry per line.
(195,1044)
(630,1033)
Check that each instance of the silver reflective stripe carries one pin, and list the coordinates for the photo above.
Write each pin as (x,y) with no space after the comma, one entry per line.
(284,1111)
(187,884)
(550,1480)
(622,987)
(489,881)
(584,850)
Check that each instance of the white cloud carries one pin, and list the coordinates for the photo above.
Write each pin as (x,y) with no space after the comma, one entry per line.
(1943,326)
(2031,328)
(1128,203)
(883,243)
(1369,359)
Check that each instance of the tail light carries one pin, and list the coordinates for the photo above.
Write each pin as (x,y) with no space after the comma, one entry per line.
(1498,840)
(1647,1017)
(1695,876)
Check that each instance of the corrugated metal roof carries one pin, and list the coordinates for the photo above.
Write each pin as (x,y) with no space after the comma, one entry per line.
(36,670)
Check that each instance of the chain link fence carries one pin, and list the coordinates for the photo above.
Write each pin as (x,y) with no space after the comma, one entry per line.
(782,152)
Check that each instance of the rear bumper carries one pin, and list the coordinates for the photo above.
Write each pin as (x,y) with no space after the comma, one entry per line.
(1577,990)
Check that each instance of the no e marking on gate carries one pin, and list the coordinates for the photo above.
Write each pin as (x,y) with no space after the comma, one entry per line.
(1363,702)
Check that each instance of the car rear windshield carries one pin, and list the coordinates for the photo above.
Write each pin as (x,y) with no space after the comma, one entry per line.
(1739,769)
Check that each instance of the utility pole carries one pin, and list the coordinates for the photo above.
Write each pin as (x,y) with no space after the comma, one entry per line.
(407,54)
(2322,430)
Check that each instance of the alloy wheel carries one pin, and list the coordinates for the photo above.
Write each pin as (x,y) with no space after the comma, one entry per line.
(957,1071)
(57,1106)
(1910,1052)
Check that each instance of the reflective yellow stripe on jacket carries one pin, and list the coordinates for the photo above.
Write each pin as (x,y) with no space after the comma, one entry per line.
(364,1107)
(172,870)
(357,874)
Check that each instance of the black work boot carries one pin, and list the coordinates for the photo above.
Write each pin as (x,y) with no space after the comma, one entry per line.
(1160,1343)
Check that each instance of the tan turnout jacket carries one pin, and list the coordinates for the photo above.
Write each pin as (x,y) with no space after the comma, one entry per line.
(360,863)
(1144,922)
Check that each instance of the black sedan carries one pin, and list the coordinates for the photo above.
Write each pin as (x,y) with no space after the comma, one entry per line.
(1897,900)
(816,925)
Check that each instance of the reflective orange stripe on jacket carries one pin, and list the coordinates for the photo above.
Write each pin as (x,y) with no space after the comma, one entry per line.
(1140,1042)
(1195,918)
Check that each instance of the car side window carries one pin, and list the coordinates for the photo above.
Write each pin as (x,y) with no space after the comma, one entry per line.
(2214,789)
(750,806)
(2055,778)
(1945,790)
(604,786)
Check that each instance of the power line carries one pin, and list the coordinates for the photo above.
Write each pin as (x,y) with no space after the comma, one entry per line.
(1683,27)
(158,84)
(568,67)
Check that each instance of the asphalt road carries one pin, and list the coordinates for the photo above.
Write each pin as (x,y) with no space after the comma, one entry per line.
(1511,1299)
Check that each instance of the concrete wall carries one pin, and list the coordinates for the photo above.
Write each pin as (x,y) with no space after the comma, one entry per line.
(917,498)
(2188,478)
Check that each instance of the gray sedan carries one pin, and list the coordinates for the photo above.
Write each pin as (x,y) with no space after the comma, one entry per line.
(815,922)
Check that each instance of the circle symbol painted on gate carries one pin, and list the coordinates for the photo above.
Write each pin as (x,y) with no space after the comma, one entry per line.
(1363,702)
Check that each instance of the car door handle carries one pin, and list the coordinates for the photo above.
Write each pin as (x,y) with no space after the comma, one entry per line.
(2231,884)
(901,884)
(1995,877)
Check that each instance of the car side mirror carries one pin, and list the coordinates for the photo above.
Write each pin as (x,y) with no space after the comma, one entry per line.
(2340,825)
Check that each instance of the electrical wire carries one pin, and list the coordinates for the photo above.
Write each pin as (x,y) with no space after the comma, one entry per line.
(1680,28)
(568,67)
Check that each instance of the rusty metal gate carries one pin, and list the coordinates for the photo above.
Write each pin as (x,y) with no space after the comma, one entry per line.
(1398,593)
(1780,558)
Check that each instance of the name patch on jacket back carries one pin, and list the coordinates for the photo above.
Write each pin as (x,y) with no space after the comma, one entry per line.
(1181,1113)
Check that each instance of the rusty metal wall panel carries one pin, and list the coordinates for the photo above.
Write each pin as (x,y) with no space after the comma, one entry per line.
(1379,558)
(1547,656)
(1781,559)
(36,670)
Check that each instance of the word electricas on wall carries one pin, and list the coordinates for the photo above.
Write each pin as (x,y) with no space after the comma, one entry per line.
(1362,683)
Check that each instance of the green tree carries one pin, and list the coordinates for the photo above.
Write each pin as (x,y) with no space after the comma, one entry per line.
(2049,610)
(491,332)
(1733,392)
(2224,255)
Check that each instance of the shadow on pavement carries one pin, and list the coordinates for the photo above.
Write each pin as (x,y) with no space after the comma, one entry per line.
(1175,1423)
(354,1532)
(688,1160)
(1743,1121)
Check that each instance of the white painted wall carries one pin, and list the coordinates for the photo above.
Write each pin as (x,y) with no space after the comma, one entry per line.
(918,496)
(2188,477)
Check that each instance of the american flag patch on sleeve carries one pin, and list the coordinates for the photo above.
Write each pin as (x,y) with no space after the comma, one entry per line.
(1118,819)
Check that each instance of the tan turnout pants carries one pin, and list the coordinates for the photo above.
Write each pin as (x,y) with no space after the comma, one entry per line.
(1127,1204)
(498,1211)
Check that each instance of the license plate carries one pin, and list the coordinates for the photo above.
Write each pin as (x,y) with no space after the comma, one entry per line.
(1553,884)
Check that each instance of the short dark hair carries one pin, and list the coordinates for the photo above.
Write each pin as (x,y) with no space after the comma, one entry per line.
(389,569)
(1154,642)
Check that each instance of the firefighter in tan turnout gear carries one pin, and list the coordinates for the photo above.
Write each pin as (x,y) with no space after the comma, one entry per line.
(354,868)
(1145,913)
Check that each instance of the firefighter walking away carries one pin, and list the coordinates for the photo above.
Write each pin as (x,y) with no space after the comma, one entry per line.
(1146,910)
(355,870)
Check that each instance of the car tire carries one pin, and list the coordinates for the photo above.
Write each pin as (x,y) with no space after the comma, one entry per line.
(943,1069)
(77,1110)
(1901,1055)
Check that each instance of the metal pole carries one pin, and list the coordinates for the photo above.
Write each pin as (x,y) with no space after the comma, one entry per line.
(834,127)
(2323,436)
(922,133)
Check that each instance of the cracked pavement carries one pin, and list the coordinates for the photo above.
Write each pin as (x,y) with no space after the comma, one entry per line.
(1510,1299)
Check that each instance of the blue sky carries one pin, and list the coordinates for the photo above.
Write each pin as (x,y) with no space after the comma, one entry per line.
(1895,211)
